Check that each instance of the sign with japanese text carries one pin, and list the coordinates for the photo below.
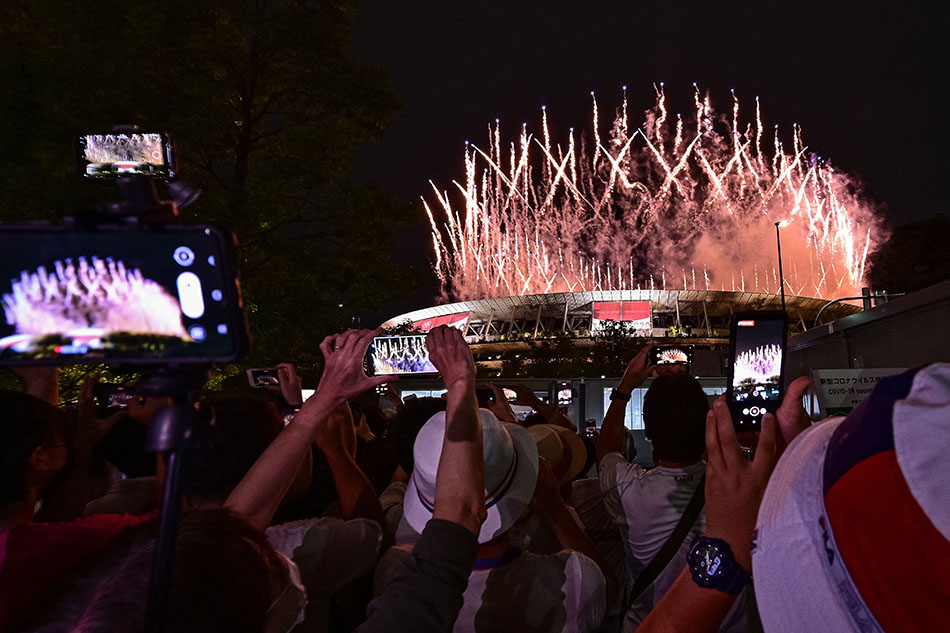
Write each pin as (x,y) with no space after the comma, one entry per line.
(840,390)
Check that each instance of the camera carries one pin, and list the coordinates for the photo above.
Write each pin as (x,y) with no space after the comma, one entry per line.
(756,367)
(125,284)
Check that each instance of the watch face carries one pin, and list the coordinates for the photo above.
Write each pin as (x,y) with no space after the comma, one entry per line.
(707,561)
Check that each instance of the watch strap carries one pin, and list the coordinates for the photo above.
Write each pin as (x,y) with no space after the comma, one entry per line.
(736,577)
(619,395)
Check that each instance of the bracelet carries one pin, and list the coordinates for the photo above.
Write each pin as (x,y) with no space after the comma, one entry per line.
(619,395)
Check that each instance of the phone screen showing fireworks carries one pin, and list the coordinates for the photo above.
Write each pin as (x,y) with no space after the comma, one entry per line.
(118,296)
(671,355)
(126,154)
(756,369)
(399,355)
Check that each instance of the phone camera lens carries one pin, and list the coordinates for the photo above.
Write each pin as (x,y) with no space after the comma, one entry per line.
(184,256)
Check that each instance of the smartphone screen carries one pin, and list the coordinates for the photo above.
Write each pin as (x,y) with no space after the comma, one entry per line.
(263,378)
(118,295)
(110,397)
(399,355)
(510,394)
(671,355)
(565,393)
(756,368)
(126,154)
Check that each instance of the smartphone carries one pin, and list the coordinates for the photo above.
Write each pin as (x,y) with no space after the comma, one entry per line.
(263,378)
(671,355)
(564,391)
(756,367)
(119,295)
(485,397)
(117,154)
(110,398)
(399,355)
(510,394)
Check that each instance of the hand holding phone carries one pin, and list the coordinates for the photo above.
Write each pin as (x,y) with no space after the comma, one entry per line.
(671,355)
(264,378)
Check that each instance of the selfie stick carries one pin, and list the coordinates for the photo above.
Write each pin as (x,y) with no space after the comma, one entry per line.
(173,434)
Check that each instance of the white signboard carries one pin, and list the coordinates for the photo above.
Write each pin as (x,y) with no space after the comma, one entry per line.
(839,391)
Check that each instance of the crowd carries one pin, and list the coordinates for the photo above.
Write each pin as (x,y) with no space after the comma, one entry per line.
(438,515)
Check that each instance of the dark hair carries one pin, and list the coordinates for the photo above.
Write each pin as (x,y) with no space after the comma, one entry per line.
(26,422)
(223,579)
(674,418)
(242,427)
(404,428)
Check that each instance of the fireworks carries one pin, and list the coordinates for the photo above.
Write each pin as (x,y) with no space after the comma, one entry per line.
(94,293)
(760,365)
(679,203)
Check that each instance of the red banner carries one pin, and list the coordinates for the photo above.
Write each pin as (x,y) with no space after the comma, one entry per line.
(621,310)
(458,321)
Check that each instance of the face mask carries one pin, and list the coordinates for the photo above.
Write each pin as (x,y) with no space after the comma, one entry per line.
(287,609)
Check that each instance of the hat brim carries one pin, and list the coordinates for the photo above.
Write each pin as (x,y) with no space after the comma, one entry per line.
(793,587)
(508,509)
(578,453)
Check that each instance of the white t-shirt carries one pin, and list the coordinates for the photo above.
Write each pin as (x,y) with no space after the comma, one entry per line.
(530,593)
(330,554)
(646,505)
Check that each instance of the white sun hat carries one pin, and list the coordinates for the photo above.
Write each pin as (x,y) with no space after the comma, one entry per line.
(853,532)
(511,472)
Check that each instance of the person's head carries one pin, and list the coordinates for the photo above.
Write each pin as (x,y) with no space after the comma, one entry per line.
(563,449)
(34,447)
(674,418)
(511,473)
(225,577)
(853,532)
(241,429)
(404,427)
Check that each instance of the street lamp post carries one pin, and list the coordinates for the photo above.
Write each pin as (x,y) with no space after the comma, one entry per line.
(778,241)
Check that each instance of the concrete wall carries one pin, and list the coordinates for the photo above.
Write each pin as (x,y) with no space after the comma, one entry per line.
(906,332)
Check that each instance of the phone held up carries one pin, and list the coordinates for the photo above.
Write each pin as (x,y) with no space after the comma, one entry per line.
(263,378)
(399,355)
(756,366)
(671,355)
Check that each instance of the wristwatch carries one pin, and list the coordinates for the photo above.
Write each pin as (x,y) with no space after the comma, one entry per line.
(619,395)
(713,566)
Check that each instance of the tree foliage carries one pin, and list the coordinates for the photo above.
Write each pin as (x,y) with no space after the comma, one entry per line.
(914,257)
(267,109)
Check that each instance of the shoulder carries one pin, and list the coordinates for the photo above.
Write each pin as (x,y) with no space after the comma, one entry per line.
(326,541)
(614,470)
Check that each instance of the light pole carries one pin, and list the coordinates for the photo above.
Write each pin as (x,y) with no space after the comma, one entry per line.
(778,240)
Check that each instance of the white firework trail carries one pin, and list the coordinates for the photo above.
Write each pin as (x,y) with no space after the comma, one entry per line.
(678,193)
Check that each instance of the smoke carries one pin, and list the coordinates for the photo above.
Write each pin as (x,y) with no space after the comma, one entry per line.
(678,203)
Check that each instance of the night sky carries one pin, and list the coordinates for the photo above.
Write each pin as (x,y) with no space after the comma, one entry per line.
(862,79)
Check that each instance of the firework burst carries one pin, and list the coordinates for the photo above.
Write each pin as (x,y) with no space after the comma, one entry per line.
(678,203)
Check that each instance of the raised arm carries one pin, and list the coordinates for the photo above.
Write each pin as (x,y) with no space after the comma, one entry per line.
(425,593)
(610,439)
(259,493)
(734,489)
(337,439)
(460,481)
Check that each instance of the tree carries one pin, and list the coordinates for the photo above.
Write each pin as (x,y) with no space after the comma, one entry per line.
(267,110)
(914,257)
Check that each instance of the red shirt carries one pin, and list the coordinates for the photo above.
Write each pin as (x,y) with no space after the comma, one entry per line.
(35,555)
